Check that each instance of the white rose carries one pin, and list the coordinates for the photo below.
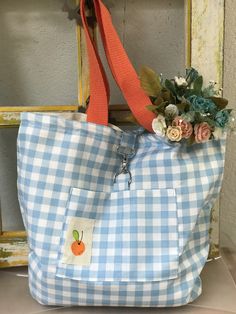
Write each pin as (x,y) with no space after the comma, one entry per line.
(159,125)
(171,111)
(218,133)
(180,81)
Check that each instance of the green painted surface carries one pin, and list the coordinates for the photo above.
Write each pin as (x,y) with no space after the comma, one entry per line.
(9,119)
(4,253)
(13,250)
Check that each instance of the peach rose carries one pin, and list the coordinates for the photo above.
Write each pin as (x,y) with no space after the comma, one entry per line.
(174,133)
(202,132)
(186,127)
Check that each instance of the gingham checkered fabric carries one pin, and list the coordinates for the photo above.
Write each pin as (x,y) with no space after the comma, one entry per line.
(150,239)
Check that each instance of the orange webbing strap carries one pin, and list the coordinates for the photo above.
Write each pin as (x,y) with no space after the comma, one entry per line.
(97,111)
(122,70)
(120,65)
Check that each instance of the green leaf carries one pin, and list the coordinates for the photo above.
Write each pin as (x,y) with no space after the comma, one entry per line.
(197,85)
(198,117)
(158,101)
(210,122)
(165,94)
(182,107)
(161,107)
(189,116)
(76,235)
(171,87)
(191,140)
(151,108)
(188,93)
(201,118)
(191,75)
(150,82)
(221,103)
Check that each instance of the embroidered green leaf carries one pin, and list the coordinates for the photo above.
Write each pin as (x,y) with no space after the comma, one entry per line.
(150,82)
(76,235)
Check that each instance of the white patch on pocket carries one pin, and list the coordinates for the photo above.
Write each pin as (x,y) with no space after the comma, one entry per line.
(77,249)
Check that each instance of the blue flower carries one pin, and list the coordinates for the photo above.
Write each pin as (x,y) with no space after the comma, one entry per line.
(202,105)
(222,118)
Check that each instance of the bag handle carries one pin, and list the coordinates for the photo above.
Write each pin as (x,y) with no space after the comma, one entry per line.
(97,111)
(121,68)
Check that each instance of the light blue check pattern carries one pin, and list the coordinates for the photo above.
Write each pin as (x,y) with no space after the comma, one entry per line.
(150,242)
(135,236)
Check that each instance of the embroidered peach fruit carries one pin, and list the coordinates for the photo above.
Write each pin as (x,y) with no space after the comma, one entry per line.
(77,247)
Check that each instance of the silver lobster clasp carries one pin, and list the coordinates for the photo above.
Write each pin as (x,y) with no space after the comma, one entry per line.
(124,169)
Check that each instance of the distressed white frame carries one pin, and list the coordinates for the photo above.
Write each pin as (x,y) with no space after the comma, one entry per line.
(207,55)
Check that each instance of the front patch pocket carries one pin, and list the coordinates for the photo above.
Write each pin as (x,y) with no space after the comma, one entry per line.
(135,235)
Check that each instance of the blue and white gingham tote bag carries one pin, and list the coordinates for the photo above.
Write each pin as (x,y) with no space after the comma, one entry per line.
(140,239)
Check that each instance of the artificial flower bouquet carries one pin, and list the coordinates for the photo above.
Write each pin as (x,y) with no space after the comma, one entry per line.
(185,110)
